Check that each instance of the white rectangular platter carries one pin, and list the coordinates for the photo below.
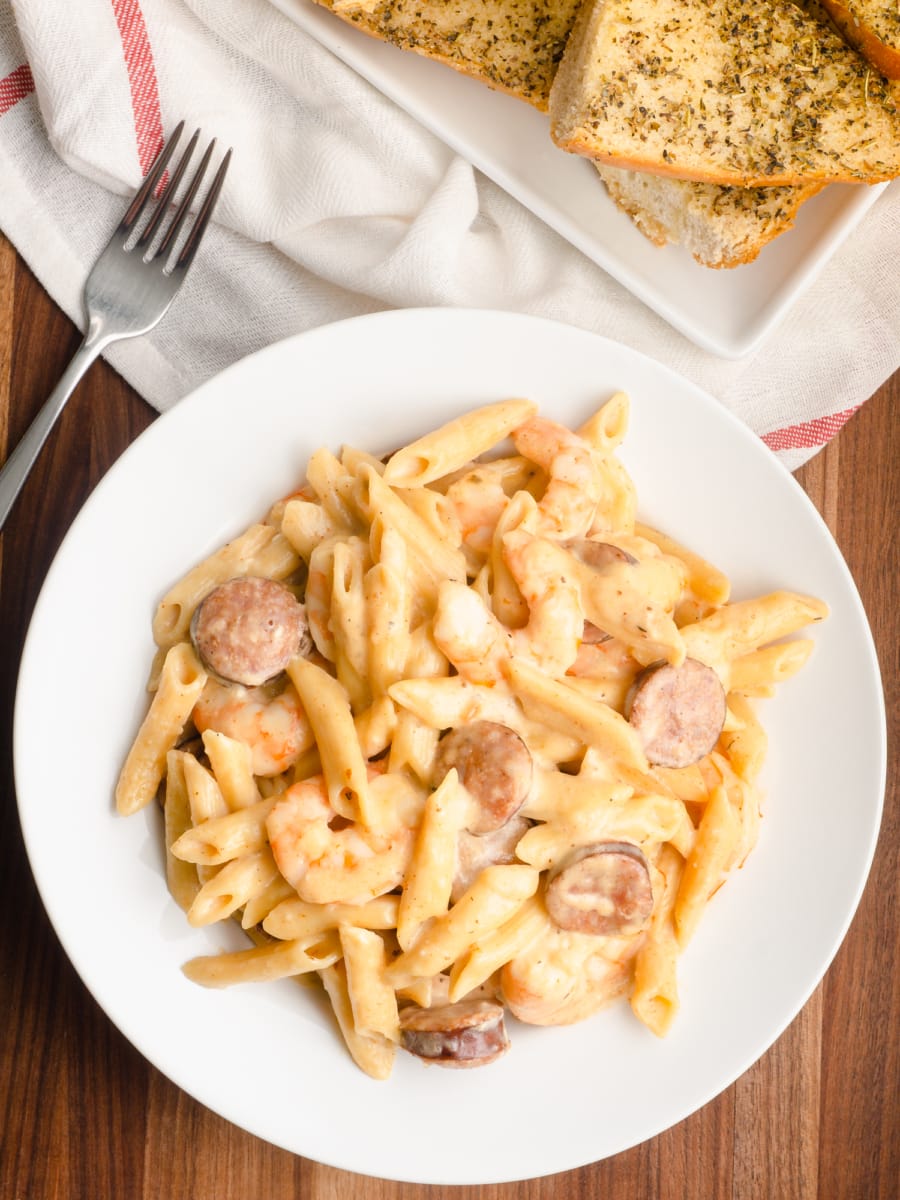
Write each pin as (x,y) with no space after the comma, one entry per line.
(726,312)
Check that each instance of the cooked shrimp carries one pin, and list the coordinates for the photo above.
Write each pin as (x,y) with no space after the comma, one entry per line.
(469,634)
(564,977)
(477,501)
(269,719)
(477,643)
(506,600)
(328,859)
(551,637)
(575,484)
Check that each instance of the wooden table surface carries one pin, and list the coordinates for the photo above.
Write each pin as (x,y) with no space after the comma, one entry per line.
(84,1117)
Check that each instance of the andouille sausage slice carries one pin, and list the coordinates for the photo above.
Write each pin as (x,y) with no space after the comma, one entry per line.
(593,635)
(677,712)
(470,1033)
(475,852)
(599,554)
(247,630)
(602,889)
(494,766)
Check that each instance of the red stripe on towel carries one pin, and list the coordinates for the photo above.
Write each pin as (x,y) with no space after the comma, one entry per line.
(15,87)
(141,70)
(809,433)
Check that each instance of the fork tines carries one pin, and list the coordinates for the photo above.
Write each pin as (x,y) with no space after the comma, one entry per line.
(167,197)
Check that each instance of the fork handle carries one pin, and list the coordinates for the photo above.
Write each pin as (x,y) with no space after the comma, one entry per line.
(17,467)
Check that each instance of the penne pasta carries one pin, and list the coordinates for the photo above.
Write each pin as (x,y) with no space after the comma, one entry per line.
(305,524)
(388,604)
(295,918)
(744,745)
(258,907)
(375,728)
(494,775)
(704,871)
(373,1002)
(740,628)
(328,708)
(180,684)
(496,894)
(641,822)
(262,964)
(456,443)
(230,762)
(445,702)
(769,666)
(372,1053)
(489,953)
(432,559)
(181,877)
(436,511)
(333,485)
(563,707)
(703,579)
(231,888)
(429,880)
(220,839)
(262,550)
(349,620)
(605,429)
(506,600)
(654,997)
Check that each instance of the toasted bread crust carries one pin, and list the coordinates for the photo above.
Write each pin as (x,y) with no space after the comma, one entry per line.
(873,28)
(721,227)
(734,92)
(512,46)
(721,214)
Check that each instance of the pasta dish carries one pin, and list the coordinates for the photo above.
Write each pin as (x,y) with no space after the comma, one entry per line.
(458,736)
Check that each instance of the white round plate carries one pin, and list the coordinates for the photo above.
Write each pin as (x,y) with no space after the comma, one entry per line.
(267,1057)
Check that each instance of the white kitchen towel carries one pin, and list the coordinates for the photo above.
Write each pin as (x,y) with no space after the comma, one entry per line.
(339,203)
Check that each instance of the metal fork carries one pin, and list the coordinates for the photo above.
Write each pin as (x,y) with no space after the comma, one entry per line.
(130,288)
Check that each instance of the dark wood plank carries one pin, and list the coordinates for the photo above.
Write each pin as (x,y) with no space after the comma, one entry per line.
(7,317)
(860,1131)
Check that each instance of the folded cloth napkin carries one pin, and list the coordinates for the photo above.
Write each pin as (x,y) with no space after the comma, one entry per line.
(340,204)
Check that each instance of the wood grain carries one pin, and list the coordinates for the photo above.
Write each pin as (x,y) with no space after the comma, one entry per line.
(84,1117)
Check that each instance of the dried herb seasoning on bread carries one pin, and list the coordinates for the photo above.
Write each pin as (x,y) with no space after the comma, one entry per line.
(512,45)
(747,107)
(733,92)
(873,26)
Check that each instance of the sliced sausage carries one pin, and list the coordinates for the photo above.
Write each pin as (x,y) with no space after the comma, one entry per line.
(494,766)
(474,852)
(593,635)
(247,630)
(678,712)
(603,889)
(470,1033)
(599,554)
